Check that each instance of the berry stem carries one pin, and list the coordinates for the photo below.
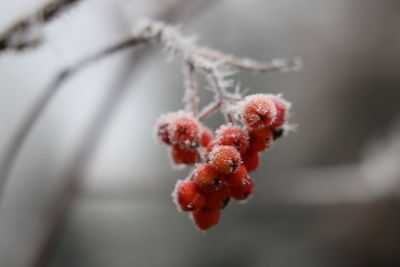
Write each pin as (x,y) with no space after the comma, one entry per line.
(275,65)
(190,98)
(221,102)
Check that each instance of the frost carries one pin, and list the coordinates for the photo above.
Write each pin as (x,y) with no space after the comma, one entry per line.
(174,194)
(256,108)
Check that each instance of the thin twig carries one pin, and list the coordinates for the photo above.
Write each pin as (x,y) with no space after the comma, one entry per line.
(220,97)
(18,36)
(191,88)
(276,65)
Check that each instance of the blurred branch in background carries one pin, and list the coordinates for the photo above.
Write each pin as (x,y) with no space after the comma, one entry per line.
(73,177)
(26,32)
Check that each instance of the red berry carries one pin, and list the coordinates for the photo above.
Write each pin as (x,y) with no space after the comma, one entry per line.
(260,139)
(187,196)
(184,130)
(206,137)
(282,110)
(183,155)
(239,174)
(233,135)
(211,145)
(241,187)
(251,160)
(226,159)
(207,177)
(161,128)
(204,219)
(218,199)
(257,111)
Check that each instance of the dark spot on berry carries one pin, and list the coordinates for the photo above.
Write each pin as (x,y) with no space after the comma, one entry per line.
(245,194)
(234,166)
(237,144)
(262,117)
(226,201)
(277,133)
(195,144)
(216,181)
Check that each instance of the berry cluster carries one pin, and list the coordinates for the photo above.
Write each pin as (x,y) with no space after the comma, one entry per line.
(222,162)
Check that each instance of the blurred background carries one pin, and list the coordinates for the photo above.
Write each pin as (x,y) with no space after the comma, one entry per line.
(326,195)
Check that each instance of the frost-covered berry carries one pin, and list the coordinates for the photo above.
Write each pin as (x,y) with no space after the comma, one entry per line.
(233,135)
(257,111)
(282,110)
(207,177)
(183,155)
(187,196)
(161,128)
(211,146)
(206,137)
(260,139)
(251,160)
(226,159)
(239,174)
(184,130)
(218,199)
(241,187)
(204,218)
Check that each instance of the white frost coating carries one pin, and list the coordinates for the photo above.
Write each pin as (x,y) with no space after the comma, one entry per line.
(217,149)
(171,38)
(165,118)
(287,105)
(192,134)
(174,194)
(240,132)
(259,101)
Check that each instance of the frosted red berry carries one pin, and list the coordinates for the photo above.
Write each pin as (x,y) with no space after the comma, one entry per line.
(207,177)
(204,218)
(260,139)
(282,110)
(184,130)
(211,146)
(233,135)
(161,128)
(188,196)
(183,155)
(251,160)
(226,159)
(218,199)
(239,174)
(241,187)
(257,111)
(206,137)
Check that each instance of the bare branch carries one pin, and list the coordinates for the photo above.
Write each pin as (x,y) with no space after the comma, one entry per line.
(19,36)
(41,103)
(190,97)
(275,65)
